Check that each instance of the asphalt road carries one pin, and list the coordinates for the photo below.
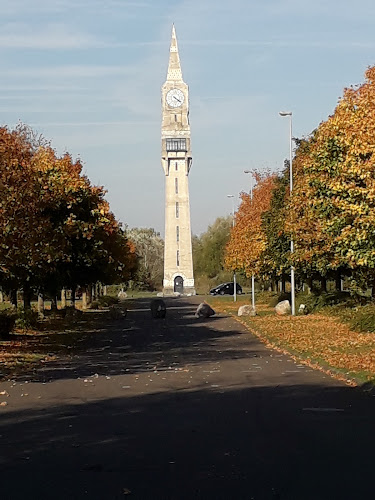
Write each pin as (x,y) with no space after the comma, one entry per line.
(183,408)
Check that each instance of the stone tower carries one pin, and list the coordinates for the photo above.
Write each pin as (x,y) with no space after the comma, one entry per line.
(176,162)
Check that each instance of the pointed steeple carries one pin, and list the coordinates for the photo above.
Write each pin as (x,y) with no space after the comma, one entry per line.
(174,67)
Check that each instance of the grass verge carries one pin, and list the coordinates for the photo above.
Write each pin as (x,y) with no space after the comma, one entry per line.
(321,341)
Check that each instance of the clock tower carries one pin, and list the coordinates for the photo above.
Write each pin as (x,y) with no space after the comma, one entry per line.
(176,162)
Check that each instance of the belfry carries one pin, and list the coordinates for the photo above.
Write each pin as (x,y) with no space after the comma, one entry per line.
(176,161)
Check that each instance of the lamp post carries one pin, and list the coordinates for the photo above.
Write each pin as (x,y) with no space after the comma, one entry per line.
(289,113)
(234,272)
(252,276)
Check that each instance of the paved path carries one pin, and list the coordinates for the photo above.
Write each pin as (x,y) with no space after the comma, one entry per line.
(182,409)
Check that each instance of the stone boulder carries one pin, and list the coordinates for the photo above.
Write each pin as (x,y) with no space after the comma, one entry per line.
(117,312)
(247,310)
(283,307)
(122,295)
(303,309)
(158,308)
(204,311)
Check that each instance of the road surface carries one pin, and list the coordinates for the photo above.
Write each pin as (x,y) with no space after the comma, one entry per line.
(182,408)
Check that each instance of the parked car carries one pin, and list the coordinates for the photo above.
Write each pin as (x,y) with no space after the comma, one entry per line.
(226,289)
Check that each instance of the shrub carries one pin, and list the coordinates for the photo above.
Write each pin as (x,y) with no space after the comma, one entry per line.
(266,297)
(275,299)
(315,302)
(363,319)
(26,318)
(7,320)
(104,301)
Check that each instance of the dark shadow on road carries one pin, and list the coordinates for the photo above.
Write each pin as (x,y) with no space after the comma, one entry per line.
(140,343)
(262,443)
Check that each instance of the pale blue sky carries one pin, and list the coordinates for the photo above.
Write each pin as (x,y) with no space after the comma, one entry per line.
(87,74)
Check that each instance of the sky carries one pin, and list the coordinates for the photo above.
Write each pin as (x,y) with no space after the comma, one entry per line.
(87,74)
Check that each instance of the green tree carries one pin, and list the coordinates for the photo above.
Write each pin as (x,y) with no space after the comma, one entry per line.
(209,248)
(275,257)
(149,247)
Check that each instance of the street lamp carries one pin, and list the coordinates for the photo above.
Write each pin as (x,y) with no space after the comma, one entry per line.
(289,113)
(234,272)
(251,182)
(252,276)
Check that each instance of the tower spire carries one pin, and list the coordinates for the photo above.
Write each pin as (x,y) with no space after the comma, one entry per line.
(174,66)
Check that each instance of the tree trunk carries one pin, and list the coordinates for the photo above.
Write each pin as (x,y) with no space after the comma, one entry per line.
(105,290)
(373,289)
(84,298)
(40,306)
(54,302)
(73,292)
(26,296)
(323,281)
(13,297)
(338,281)
(63,299)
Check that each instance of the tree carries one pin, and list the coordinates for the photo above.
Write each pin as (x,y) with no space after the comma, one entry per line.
(57,229)
(275,256)
(248,240)
(149,247)
(332,210)
(209,248)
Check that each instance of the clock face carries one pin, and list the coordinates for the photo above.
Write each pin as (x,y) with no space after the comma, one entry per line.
(175,98)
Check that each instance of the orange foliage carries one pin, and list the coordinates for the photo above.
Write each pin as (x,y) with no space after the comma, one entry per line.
(247,240)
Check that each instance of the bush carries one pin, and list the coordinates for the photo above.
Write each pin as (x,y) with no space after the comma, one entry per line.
(104,301)
(363,319)
(26,318)
(316,302)
(275,299)
(7,320)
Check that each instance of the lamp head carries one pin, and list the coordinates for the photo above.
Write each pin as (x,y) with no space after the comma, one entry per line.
(285,113)
(230,195)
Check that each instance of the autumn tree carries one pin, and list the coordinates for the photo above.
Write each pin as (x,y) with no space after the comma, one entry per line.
(332,212)
(23,229)
(248,240)
(57,229)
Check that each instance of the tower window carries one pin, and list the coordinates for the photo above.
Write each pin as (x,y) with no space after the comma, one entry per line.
(178,257)
(176,166)
(177,233)
(175,118)
(177,210)
(176,144)
(176,185)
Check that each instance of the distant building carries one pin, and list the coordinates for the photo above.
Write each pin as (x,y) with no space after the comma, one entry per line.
(176,161)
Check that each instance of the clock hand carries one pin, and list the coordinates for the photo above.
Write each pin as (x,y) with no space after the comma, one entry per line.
(174,97)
